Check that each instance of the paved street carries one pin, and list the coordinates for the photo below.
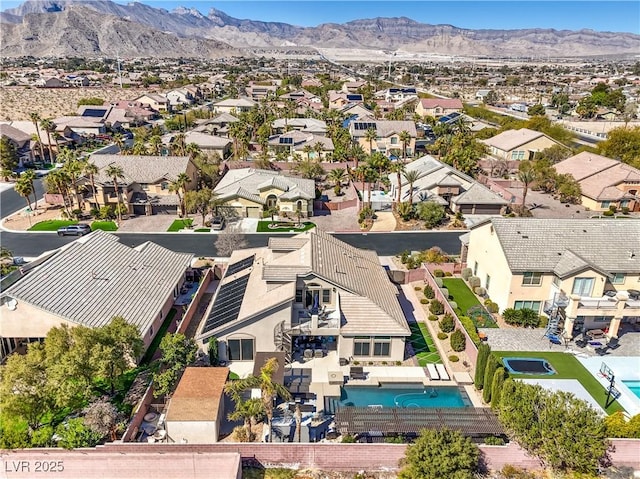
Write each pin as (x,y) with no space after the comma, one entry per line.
(10,201)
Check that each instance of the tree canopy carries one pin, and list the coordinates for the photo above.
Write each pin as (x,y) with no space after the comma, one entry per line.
(622,144)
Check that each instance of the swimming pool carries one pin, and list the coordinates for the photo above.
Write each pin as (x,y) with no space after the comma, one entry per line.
(402,397)
(528,366)
(634,387)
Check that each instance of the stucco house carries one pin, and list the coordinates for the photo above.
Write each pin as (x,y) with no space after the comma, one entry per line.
(306,144)
(312,285)
(517,145)
(584,271)
(218,126)
(447,186)
(248,192)
(20,140)
(154,101)
(387,135)
(210,144)
(88,283)
(196,408)
(604,182)
(233,105)
(145,188)
(436,107)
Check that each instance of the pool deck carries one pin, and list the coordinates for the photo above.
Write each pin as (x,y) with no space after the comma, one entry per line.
(624,369)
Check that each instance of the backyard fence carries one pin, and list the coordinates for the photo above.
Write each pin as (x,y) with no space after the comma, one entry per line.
(195,302)
(453,268)
(471,349)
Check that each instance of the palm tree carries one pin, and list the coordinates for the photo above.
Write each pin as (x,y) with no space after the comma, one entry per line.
(405,138)
(179,186)
(35,118)
(178,144)
(357,153)
(49,127)
(29,176)
(527,175)
(115,172)
(23,188)
(140,148)
(269,389)
(307,149)
(370,135)
(337,176)
(73,167)
(118,139)
(59,181)
(91,170)
(193,150)
(248,411)
(398,169)
(411,176)
(155,143)
(360,173)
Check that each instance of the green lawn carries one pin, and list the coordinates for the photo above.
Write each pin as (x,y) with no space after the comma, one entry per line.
(202,230)
(465,300)
(104,226)
(52,225)
(178,225)
(567,367)
(151,351)
(263,227)
(423,345)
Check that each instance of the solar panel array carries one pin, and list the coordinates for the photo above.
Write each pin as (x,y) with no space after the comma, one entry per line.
(354,97)
(227,305)
(363,125)
(286,141)
(240,265)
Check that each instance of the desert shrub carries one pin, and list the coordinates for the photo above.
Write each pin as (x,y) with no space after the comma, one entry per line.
(613,208)
(436,307)
(447,324)
(416,288)
(433,317)
(474,281)
(438,273)
(453,358)
(439,282)
(348,438)
(466,273)
(521,317)
(428,292)
(442,336)
(240,434)
(424,301)
(480,291)
(404,256)
(471,329)
(542,321)
(512,472)
(608,213)
(625,210)
(458,340)
(453,305)
(491,306)
(448,274)
(445,292)
(494,441)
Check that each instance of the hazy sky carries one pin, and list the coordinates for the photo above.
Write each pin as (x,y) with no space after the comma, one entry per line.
(602,15)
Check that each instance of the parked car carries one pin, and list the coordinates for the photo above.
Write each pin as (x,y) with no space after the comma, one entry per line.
(74,230)
(217,223)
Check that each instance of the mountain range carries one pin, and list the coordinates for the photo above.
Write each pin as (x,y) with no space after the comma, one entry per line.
(102,27)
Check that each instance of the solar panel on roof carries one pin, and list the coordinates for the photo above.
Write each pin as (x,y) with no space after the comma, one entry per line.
(227,304)
(286,141)
(240,265)
(94,113)
(354,97)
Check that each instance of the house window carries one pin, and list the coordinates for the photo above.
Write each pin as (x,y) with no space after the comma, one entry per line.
(487,282)
(535,305)
(624,204)
(556,281)
(605,205)
(164,185)
(618,278)
(326,296)
(394,140)
(475,268)
(531,279)
(362,346)
(583,286)
(298,295)
(382,346)
(240,349)
(602,319)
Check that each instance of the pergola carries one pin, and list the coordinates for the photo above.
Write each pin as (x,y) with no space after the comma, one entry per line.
(370,421)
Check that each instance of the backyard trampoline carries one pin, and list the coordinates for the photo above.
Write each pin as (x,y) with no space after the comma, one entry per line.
(528,366)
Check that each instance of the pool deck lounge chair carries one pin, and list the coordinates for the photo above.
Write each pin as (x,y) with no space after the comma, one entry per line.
(357,372)
(433,372)
(442,372)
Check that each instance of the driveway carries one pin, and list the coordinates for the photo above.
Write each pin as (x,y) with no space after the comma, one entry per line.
(147,224)
(385,221)
(345,220)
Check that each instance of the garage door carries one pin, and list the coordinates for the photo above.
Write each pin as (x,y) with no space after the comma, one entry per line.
(253,212)
(165,210)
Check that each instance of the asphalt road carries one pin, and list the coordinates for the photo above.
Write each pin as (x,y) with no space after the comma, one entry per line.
(10,201)
(385,244)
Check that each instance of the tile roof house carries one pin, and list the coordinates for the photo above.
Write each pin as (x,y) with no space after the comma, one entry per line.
(387,135)
(154,101)
(584,272)
(196,408)
(339,99)
(20,139)
(311,284)
(209,143)
(218,126)
(234,105)
(436,107)
(604,182)
(517,145)
(306,125)
(248,192)
(92,280)
(318,146)
(447,186)
(146,184)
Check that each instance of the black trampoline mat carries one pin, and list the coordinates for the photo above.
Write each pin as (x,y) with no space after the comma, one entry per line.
(528,366)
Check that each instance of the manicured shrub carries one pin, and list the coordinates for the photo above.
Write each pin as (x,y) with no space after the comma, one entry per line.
(496,387)
(494,441)
(511,316)
(442,336)
(433,317)
(428,292)
(481,364)
(436,307)
(439,282)
(348,438)
(453,358)
(543,321)
(447,323)
(492,366)
(424,301)
(448,274)
(625,210)
(474,282)
(404,256)
(470,328)
(480,291)
(491,306)
(608,213)
(438,273)
(466,273)
(521,317)
(453,305)
(458,340)
(445,292)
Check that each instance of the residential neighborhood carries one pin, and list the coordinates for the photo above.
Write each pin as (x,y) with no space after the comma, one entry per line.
(246,264)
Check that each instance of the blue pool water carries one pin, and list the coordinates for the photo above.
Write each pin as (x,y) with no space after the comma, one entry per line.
(634,387)
(402,397)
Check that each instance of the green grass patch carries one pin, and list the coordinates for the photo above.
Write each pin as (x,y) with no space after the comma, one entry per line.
(567,367)
(203,230)
(233,376)
(465,299)
(423,345)
(263,227)
(52,225)
(153,347)
(104,226)
(178,225)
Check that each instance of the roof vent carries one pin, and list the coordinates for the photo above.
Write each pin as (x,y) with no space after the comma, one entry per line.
(631,255)
(525,237)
